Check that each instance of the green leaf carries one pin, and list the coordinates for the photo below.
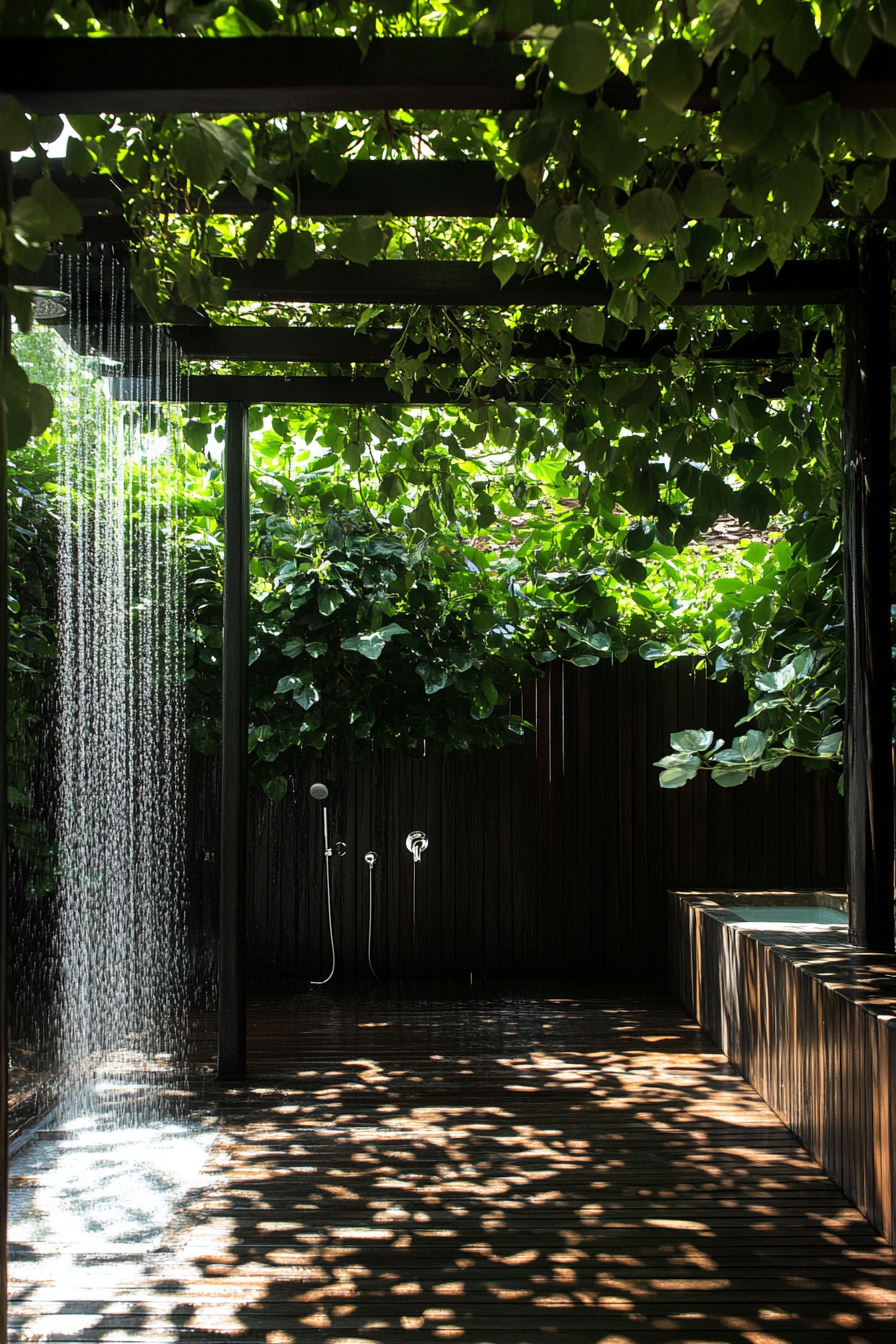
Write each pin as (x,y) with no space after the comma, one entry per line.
(65,218)
(797,39)
(568,227)
(199,155)
(677,776)
(693,739)
(729,777)
(295,248)
(42,408)
(665,279)
(745,124)
(293,647)
(504,268)
(798,187)
(754,505)
(15,128)
(851,40)
(705,195)
(256,240)
(651,215)
(362,240)
(674,73)
(588,325)
(882,122)
(580,57)
(830,745)
(275,788)
(434,678)
(752,745)
(609,147)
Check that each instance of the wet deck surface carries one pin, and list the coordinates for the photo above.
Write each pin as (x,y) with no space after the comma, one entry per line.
(508,1169)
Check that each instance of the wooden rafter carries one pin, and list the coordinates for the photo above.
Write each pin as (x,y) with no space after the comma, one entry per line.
(328,74)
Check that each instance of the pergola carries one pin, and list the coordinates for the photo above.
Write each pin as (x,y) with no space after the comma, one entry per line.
(279,75)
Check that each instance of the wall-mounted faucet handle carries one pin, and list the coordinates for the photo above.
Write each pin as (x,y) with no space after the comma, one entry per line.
(340,848)
(417,842)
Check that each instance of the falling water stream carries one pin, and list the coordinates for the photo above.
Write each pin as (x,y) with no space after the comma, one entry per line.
(122,998)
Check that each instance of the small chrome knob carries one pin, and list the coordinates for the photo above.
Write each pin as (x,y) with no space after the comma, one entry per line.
(370,858)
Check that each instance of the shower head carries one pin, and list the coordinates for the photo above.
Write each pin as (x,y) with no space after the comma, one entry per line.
(370,858)
(319,792)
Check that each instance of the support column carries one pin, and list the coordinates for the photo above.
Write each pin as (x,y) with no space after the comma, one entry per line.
(5,349)
(234,749)
(866,589)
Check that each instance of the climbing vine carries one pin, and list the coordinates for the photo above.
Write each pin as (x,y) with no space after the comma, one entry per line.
(662,148)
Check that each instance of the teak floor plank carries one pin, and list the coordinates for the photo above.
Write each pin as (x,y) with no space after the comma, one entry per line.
(512,1167)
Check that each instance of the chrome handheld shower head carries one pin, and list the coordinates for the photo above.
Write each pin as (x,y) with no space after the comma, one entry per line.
(319,792)
(370,858)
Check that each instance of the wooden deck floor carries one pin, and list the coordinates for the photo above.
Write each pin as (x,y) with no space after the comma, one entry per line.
(504,1169)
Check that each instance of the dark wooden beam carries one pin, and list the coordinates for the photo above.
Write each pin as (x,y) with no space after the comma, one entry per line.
(866,583)
(431,187)
(270,390)
(340,345)
(234,749)
(329,74)
(467,284)
(277,74)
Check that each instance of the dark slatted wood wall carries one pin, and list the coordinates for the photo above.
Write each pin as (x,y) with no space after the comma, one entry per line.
(551,857)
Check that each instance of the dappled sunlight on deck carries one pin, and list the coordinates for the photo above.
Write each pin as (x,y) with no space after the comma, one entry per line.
(488,1170)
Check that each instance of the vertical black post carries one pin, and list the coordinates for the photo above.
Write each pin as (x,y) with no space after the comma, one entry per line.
(5,349)
(234,749)
(866,590)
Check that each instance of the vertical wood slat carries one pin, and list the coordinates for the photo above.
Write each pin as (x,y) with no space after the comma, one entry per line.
(866,585)
(809,1028)
(549,855)
(234,749)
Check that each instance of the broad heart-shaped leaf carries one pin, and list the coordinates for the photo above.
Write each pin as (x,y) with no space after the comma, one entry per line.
(293,647)
(568,227)
(580,57)
(798,187)
(372,642)
(609,146)
(588,325)
(744,124)
(15,129)
(275,788)
(882,121)
(65,218)
(674,73)
(693,739)
(752,745)
(730,776)
(830,745)
(754,505)
(651,215)
(504,268)
(851,40)
(295,248)
(705,195)
(42,408)
(665,279)
(362,240)
(797,39)
(200,156)
(434,678)
(677,776)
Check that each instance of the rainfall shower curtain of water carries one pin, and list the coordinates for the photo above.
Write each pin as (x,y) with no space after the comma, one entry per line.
(120,746)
